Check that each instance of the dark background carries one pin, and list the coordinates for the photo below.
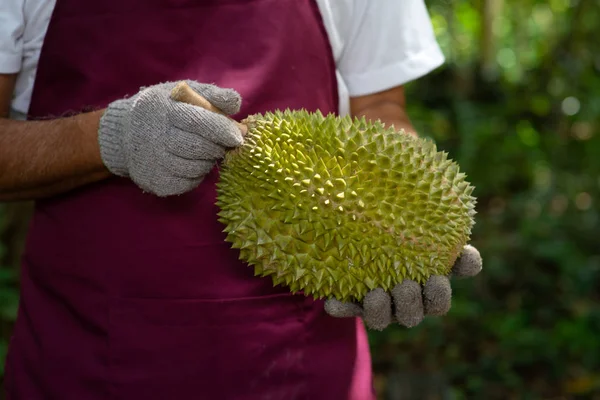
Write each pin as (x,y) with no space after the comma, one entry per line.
(518,106)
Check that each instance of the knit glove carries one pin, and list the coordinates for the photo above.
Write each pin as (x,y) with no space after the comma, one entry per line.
(164,146)
(408,302)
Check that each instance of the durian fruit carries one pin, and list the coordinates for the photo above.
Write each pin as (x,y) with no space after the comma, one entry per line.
(336,206)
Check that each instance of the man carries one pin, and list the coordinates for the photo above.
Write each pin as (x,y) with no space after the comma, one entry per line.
(128,289)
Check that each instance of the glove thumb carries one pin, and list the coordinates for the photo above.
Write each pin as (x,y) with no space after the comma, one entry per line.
(227,100)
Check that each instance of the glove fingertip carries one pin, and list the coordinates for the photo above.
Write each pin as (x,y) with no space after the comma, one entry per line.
(339,309)
(219,129)
(469,263)
(228,100)
(408,302)
(437,295)
(378,309)
(232,135)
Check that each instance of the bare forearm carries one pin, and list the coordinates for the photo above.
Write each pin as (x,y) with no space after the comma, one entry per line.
(390,114)
(388,106)
(43,158)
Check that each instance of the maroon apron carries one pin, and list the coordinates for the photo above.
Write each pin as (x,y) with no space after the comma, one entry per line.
(129,296)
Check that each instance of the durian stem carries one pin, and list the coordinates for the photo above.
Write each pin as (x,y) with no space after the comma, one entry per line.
(184,93)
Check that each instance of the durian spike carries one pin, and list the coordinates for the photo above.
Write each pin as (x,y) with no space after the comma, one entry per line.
(182,92)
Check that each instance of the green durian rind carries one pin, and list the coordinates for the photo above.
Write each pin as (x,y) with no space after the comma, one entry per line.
(336,206)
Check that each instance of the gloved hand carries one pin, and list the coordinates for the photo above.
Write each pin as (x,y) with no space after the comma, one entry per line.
(409,302)
(167,147)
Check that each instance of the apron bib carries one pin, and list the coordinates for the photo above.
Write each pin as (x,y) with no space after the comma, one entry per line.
(128,296)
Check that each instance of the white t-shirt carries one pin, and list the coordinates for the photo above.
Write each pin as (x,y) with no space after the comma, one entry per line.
(376,44)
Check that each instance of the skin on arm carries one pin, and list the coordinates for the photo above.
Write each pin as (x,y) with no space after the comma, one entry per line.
(389,106)
(44,158)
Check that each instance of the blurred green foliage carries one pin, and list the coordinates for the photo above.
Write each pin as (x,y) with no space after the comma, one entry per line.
(518,106)
(13,224)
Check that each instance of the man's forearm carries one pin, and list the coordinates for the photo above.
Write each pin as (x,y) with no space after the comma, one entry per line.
(388,106)
(44,158)
(391,114)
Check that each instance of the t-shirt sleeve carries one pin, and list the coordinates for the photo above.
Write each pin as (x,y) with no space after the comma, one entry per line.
(389,43)
(12,25)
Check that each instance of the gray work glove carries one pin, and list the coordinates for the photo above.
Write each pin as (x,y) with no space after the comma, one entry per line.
(409,302)
(167,147)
